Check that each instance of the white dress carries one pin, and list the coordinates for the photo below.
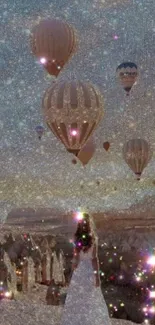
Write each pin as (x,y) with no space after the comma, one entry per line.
(85,304)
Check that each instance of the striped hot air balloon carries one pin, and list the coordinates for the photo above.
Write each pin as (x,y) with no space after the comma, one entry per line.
(127,73)
(137,153)
(73,110)
(53,42)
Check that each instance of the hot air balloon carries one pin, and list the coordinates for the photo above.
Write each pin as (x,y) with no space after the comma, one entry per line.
(106,145)
(73,110)
(74,161)
(53,42)
(137,153)
(40,131)
(127,73)
(87,152)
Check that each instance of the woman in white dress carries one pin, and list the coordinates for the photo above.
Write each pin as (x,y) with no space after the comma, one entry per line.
(85,304)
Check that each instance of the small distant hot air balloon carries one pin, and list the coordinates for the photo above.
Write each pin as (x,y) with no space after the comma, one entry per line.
(106,145)
(127,72)
(74,161)
(53,42)
(73,110)
(87,152)
(40,131)
(137,153)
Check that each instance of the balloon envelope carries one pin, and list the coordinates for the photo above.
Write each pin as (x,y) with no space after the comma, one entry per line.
(40,131)
(106,145)
(137,153)
(127,73)
(73,110)
(53,42)
(87,152)
(74,161)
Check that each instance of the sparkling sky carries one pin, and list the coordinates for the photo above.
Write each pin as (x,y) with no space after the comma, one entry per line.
(40,173)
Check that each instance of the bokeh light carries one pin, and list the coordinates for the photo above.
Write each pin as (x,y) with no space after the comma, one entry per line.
(79,216)
(151,260)
(43,60)
(74,132)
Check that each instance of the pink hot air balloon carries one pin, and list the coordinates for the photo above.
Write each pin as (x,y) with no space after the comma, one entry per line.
(87,152)
(137,153)
(53,42)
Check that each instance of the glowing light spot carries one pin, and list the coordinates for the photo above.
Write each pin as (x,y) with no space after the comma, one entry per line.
(152,310)
(145,309)
(121,277)
(115,37)
(7,294)
(43,60)
(73,132)
(151,260)
(79,216)
(152,294)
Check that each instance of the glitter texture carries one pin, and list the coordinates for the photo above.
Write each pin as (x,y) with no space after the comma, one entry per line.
(40,173)
(36,314)
(85,303)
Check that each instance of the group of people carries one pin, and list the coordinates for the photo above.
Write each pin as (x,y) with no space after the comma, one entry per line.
(85,304)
